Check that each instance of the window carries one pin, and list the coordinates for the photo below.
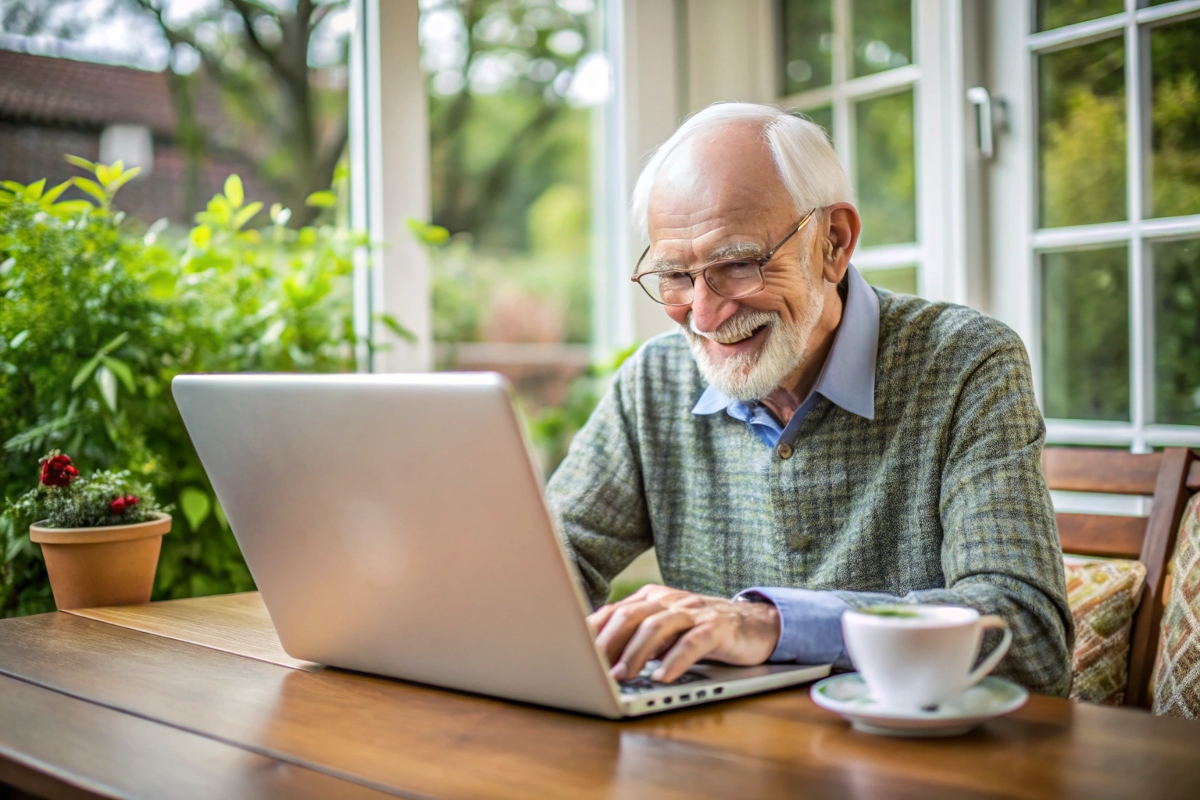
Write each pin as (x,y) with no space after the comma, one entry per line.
(1112,219)
(850,66)
(512,88)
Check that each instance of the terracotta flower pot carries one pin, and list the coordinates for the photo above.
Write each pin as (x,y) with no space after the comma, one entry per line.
(112,565)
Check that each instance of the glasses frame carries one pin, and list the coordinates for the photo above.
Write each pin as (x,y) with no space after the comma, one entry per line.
(760,261)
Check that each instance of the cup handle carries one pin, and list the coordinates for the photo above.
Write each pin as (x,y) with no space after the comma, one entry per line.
(988,623)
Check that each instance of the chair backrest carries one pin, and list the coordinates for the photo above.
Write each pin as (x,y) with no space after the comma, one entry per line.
(1170,476)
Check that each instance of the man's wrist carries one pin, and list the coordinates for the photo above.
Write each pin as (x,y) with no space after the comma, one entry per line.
(761,617)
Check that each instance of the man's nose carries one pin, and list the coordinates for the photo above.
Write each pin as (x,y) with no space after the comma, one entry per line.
(709,309)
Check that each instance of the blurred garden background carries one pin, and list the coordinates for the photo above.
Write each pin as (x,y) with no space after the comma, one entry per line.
(142,257)
(204,221)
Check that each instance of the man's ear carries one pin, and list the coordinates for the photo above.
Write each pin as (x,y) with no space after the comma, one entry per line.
(841,237)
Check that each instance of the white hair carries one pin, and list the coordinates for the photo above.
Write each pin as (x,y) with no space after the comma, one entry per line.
(806,162)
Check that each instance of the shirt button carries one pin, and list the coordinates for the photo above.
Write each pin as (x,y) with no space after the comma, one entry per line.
(784,450)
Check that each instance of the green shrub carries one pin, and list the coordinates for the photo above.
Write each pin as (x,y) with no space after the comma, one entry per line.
(96,318)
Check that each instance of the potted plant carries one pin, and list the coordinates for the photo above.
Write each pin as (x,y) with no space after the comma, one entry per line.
(100,536)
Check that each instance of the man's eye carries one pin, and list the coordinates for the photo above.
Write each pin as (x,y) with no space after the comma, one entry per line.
(672,278)
(738,269)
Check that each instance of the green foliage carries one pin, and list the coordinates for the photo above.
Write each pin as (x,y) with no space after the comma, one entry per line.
(86,502)
(95,321)
(553,428)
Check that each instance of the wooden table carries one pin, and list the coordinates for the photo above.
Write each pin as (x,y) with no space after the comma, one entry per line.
(195,698)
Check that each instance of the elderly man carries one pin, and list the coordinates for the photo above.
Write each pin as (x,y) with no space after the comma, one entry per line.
(803,443)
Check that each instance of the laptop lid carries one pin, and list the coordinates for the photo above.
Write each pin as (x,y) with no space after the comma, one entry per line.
(395,524)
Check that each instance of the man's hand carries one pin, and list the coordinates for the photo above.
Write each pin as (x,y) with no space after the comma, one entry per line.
(681,628)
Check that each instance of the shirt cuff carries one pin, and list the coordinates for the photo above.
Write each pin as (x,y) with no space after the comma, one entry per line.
(810,624)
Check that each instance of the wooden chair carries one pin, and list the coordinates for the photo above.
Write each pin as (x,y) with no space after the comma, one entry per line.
(1170,476)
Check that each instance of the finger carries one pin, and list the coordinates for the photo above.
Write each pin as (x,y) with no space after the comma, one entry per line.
(691,647)
(620,627)
(599,618)
(656,634)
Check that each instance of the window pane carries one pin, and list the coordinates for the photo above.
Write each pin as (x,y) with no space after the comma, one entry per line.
(1057,13)
(1175,131)
(882,35)
(902,280)
(886,190)
(823,116)
(1082,135)
(807,45)
(1177,332)
(1085,334)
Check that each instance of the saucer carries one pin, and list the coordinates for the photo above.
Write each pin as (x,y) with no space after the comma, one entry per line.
(847,695)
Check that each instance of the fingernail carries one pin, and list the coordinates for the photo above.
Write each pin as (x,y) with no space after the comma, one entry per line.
(617,672)
(658,674)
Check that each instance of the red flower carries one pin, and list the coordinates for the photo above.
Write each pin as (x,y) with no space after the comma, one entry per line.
(57,470)
(123,504)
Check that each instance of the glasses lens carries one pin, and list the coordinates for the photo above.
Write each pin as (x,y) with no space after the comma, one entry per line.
(735,278)
(670,288)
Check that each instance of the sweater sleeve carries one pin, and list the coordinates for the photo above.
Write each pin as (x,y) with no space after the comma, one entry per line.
(1000,550)
(597,495)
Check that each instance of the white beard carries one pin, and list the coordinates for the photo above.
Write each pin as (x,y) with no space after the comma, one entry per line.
(753,376)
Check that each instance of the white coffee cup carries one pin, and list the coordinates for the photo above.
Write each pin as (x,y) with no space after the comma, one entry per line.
(913,657)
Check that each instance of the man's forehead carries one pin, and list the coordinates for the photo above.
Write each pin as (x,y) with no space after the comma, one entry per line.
(717,195)
(731,164)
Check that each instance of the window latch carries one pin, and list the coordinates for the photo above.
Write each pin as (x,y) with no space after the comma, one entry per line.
(979,97)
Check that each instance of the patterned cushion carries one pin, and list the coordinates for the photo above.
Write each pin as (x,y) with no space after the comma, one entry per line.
(1103,594)
(1177,670)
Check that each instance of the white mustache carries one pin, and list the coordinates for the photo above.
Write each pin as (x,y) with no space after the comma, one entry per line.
(737,327)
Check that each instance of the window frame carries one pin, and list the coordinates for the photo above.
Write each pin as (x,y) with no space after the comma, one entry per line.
(1019,242)
(941,253)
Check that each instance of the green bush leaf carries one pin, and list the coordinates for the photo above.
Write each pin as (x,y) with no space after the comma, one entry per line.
(82,163)
(246,214)
(108,386)
(124,178)
(92,188)
(322,199)
(201,236)
(84,372)
(115,342)
(195,506)
(234,192)
(393,325)
(122,371)
(52,195)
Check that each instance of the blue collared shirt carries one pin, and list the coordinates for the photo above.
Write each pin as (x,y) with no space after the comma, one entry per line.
(810,621)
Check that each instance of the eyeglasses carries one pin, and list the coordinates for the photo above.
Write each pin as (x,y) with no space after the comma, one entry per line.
(733,278)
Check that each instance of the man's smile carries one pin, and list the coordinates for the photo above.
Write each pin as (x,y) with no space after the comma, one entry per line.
(747,343)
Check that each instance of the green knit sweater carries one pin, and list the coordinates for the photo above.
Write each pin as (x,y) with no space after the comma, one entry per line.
(939,499)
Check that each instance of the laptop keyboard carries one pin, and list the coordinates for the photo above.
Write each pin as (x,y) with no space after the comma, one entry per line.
(643,682)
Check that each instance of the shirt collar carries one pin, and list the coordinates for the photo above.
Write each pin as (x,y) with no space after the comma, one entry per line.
(848,377)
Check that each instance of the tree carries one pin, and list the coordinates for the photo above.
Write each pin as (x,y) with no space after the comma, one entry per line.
(507,80)
(286,110)
(278,71)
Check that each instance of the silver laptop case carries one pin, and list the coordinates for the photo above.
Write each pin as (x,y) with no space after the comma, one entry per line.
(394,524)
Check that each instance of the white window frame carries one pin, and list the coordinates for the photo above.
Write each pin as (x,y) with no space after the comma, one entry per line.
(946,267)
(1017,242)
(389,183)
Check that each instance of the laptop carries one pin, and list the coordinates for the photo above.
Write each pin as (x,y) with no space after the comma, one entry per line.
(395,524)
